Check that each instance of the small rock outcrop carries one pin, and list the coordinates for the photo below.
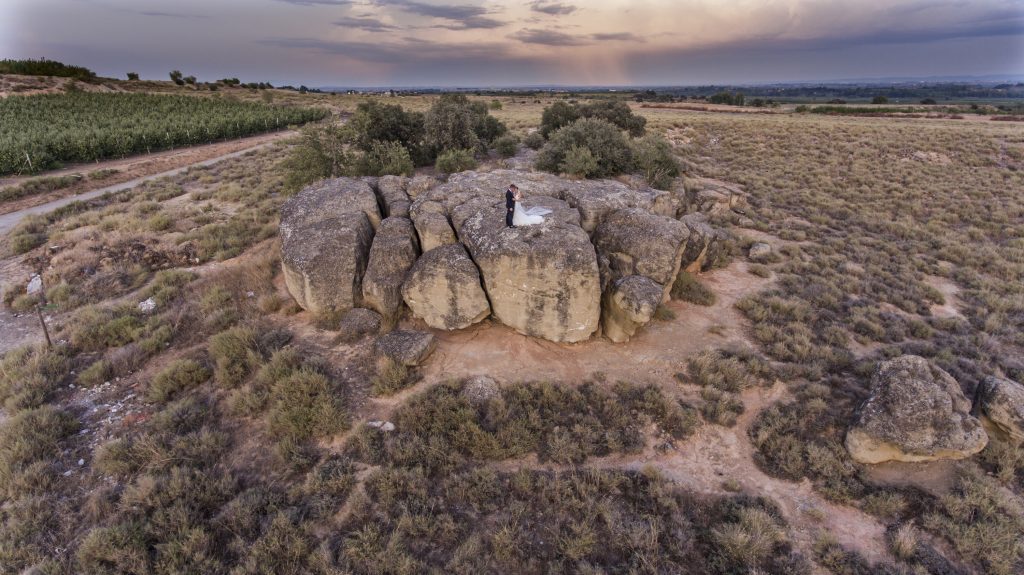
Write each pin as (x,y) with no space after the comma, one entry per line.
(406,347)
(392,253)
(1000,405)
(916,412)
(759,251)
(629,303)
(444,252)
(358,323)
(443,288)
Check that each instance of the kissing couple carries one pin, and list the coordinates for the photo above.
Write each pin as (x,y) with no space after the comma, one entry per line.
(516,215)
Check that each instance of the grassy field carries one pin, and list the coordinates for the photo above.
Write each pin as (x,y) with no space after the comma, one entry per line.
(239,443)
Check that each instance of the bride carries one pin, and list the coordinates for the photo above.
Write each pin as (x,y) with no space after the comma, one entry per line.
(527,216)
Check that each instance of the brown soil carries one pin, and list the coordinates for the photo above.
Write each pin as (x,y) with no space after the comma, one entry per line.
(949,291)
(133,168)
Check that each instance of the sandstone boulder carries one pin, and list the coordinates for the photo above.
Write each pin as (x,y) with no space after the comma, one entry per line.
(708,196)
(420,184)
(433,230)
(393,196)
(705,244)
(541,280)
(759,251)
(636,242)
(629,303)
(1000,405)
(916,412)
(479,390)
(596,199)
(443,288)
(326,232)
(358,323)
(392,253)
(406,347)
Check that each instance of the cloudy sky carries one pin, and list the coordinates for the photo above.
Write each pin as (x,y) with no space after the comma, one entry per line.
(502,43)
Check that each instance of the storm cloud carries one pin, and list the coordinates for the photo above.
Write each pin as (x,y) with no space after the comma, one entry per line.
(496,42)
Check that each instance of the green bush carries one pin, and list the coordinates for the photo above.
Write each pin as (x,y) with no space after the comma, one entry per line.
(452,161)
(656,160)
(385,158)
(29,374)
(879,100)
(506,145)
(234,351)
(305,405)
(374,122)
(451,124)
(534,140)
(180,375)
(556,116)
(605,142)
(616,112)
(29,442)
(579,162)
(688,288)
(320,153)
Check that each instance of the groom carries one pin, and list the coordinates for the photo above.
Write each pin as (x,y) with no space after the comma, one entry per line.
(510,204)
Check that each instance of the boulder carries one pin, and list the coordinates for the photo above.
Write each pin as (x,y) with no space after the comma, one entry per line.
(393,252)
(443,288)
(629,303)
(323,262)
(479,390)
(328,199)
(596,199)
(326,231)
(358,323)
(710,196)
(406,347)
(635,242)
(393,196)
(999,403)
(420,184)
(705,244)
(759,251)
(541,280)
(916,412)
(434,230)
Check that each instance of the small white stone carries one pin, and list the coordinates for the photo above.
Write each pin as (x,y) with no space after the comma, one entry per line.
(67,473)
(147,306)
(81,462)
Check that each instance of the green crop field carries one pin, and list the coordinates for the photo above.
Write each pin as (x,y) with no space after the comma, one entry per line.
(43,131)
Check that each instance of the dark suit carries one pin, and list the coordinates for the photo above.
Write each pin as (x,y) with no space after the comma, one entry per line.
(510,207)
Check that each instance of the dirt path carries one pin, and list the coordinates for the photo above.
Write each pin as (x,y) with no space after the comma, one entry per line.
(9,220)
(134,168)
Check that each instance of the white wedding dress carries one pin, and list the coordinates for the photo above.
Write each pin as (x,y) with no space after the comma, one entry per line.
(528,216)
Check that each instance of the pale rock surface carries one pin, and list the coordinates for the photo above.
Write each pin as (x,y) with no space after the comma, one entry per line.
(443,288)
(394,250)
(629,303)
(1000,405)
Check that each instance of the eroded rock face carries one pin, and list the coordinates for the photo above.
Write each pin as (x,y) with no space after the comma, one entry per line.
(434,230)
(393,252)
(443,288)
(596,200)
(1000,405)
(541,280)
(916,412)
(326,232)
(636,242)
(628,304)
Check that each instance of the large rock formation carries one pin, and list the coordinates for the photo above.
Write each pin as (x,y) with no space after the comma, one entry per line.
(916,412)
(443,288)
(598,256)
(1000,405)
(541,280)
(634,242)
(393,252)
(326,232)
(629,303)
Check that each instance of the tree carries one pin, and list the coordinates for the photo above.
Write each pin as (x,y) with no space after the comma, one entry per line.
(133,76)
(176,77)
(556,116)
(191,80)
(450,124)
(616,112)
(880,100)
(319,154)
(605,141)
(377,122)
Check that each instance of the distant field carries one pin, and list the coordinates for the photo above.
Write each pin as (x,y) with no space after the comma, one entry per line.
(41,132)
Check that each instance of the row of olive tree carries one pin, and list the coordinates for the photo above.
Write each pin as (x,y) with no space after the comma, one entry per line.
(384,139)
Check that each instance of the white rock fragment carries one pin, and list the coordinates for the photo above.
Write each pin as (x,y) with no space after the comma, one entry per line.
(382,425)
(147,306)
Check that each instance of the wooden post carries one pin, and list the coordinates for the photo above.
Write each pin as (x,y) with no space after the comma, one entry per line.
(40,303)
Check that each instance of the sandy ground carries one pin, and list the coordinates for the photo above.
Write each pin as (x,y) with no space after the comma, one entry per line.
(133,168)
